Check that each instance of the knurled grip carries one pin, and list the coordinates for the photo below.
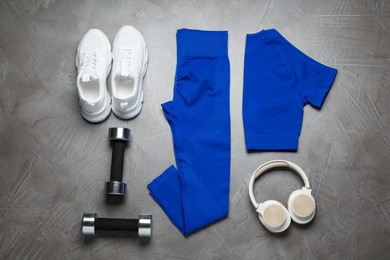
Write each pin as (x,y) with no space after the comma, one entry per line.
(116,224)
(118,153)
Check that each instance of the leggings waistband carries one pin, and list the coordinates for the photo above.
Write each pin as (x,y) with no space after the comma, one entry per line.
(201,43)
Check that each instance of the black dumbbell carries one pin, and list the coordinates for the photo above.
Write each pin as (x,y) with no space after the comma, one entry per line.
(119,137)
(91,223)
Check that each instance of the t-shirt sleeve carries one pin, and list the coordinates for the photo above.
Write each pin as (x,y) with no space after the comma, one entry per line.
(316,80)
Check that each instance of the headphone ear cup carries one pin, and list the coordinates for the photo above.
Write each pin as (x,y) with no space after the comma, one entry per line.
(274,216)
(301,206)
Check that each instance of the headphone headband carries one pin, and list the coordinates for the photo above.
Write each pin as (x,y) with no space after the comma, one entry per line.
(274,164)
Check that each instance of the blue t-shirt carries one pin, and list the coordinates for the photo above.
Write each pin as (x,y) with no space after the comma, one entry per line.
(279,80)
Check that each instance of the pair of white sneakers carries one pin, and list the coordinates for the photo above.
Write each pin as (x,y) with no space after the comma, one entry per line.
(129,61)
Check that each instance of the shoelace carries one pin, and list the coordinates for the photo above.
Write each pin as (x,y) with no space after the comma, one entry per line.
(88,62)
(125,61)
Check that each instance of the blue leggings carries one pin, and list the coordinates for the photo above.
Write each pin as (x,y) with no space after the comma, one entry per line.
(196,194)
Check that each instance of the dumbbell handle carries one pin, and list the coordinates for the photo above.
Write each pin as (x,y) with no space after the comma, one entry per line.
(116,224)
(118,152)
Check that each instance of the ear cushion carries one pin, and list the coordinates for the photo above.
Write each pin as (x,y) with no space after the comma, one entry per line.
(274,216)
(301,206)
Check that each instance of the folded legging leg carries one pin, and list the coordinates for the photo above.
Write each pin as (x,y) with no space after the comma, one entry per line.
(196,194)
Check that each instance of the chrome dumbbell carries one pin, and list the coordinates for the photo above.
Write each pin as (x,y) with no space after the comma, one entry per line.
(119,137)
(143,225)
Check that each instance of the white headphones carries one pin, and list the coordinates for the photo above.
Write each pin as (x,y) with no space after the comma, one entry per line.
(301,205)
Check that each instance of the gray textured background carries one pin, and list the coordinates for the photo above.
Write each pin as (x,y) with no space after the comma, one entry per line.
(53,164)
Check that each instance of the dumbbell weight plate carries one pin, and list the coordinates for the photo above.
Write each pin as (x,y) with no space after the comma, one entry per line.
(89,224)
(115,188)
(118,133)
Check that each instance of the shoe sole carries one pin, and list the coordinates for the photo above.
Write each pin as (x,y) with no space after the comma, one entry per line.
(106,111)
(137,107)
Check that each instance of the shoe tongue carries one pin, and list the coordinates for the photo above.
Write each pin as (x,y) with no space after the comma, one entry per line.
(125,76)
(88,77)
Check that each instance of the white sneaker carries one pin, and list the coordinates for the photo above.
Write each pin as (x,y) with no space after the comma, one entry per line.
(93,62)
(130,60)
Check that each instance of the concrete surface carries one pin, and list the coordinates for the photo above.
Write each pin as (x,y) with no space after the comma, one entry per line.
(53,164)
